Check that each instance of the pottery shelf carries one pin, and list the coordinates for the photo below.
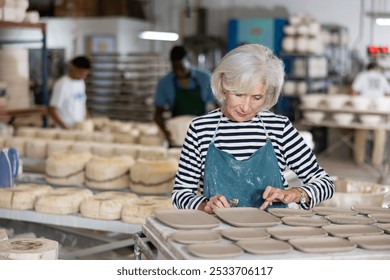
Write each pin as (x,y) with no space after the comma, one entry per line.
(122,86)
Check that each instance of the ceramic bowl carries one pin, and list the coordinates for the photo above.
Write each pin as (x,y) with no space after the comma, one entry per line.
(343,118)
(301,88)
(312,100)
(337,101)
(381,103)
(361,102)
(314,117)
(289,88)
(354,192)
(370,119)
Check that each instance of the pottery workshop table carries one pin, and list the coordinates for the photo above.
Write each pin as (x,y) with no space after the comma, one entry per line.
(359,131)
(160,236)
(355,139)
(12,114)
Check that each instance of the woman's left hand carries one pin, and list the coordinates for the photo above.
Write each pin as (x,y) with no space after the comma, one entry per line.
(272,194)
(217,201)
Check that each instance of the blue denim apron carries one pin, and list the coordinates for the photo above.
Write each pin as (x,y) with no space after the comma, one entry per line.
(242,179)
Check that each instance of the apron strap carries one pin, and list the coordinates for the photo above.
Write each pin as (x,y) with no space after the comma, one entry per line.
(216,128)
(265,130)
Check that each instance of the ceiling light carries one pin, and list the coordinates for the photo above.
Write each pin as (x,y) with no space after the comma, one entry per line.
(383,21)
(160,36)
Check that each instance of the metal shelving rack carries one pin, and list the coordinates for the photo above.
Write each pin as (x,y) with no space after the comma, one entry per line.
(337,53)
(122,86)
(42,27)
(289,104)
(311,87)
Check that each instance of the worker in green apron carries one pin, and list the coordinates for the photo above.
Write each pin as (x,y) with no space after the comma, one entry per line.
(188,101)
(185,90)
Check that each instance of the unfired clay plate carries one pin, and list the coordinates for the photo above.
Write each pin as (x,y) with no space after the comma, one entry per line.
(196,236)
(385,227)
(372,242)
(286,233)
(350,219)
(351,230)
(247,217)
(380,218)
(219,250)
(244,233)
(325,244)
(264,246)
(187,219)
(370,210)
(325,211)
(283,212)
(305,221)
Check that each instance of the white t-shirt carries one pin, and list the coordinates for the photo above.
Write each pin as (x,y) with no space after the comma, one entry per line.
(69,98)
(371,84)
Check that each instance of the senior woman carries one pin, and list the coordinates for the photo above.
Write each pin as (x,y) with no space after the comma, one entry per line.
(242,149)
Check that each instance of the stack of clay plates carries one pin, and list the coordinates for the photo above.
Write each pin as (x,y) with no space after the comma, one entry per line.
(14,71)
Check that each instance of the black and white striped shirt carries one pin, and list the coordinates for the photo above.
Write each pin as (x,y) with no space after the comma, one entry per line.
(242,139)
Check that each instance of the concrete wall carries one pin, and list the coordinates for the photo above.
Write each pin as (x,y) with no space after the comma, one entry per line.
(349,13)
(70,34)
(166,16)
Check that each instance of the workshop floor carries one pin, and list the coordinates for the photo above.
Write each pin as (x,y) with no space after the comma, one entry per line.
(348,169)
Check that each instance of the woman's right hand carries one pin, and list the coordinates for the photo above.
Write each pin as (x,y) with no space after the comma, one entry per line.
(217,201)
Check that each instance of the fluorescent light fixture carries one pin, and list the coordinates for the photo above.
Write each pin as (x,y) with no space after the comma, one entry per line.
(383,21)
(160,36)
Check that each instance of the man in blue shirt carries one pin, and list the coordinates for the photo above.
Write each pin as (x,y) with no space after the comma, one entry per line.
(183,91)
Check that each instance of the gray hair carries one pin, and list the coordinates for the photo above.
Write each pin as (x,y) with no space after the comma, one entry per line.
(243,68)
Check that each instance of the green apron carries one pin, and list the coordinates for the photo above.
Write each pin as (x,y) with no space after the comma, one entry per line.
(188,101)
(242,179)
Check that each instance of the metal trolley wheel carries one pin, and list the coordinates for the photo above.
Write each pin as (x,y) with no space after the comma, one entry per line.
(142,246)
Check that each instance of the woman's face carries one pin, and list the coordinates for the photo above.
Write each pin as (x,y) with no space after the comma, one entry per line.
(243,107)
